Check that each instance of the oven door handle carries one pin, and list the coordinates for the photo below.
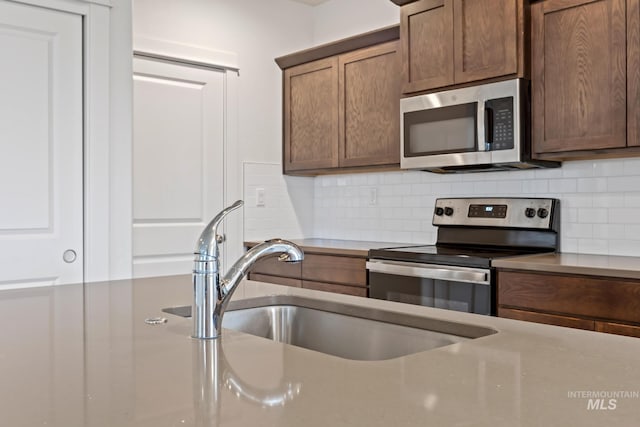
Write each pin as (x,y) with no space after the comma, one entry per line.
(431,271)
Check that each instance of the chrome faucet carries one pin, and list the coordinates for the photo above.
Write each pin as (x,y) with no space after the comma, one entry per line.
(211,292)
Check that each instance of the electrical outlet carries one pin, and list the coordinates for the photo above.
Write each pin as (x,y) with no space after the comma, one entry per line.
(260,197)
(373,196)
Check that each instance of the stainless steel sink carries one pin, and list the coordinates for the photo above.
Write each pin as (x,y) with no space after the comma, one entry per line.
(347,331)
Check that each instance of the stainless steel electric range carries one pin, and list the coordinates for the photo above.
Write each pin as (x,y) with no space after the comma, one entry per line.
(456,273)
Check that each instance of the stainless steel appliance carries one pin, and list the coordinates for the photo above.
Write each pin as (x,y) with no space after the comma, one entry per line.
(477,128)
(456,273)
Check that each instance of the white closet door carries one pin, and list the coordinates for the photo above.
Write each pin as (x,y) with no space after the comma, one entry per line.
(177,162)
(40,147)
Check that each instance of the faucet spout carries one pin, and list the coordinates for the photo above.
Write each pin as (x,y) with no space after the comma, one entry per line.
(287,251)
(211,292)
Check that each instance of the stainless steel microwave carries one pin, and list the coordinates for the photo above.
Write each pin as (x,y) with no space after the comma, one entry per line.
(477,128)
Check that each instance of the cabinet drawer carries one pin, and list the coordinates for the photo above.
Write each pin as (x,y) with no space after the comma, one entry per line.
(273,267)
(605,298)
(286,281)
(337,289)
(335,269)
(547,319)
(617,328)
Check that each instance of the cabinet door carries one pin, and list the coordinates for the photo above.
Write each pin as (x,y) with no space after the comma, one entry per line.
(547,319)
(579,75)
(336,289)
(486,39)
(369,110)
(311,115)
(618,329)
(426,31)
(284,281)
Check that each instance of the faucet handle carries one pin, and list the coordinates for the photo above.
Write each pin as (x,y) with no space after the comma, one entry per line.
(208,243)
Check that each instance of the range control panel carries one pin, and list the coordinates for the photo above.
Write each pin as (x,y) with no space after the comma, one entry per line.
(516,212)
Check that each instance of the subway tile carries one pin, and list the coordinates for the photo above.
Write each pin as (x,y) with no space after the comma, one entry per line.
(593,215)
(607,200)
(592,185)
(564,185)
(625,247)
(548,173)
(568,244)
(632,200)
(628,183)
(609,231)
(624,216)
(578,169)
(593,246)
(632,166)
(575,201)
(608,167)
(578,231)
(509,187)
(535,186)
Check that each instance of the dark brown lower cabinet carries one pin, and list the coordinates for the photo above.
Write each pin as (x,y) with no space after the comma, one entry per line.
(321,272)
(547,319)
(618,328)
(335,288)
(603,304)
(277,280)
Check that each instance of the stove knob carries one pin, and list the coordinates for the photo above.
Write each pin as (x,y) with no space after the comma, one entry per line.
(530,212)
(542,213)
(439,211)
(448,211)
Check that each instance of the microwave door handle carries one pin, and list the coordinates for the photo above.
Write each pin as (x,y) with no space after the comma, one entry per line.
(481,126)
(488,126)
(425,271)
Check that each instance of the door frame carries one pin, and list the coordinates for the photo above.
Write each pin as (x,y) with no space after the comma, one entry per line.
(106,133)
(163,50)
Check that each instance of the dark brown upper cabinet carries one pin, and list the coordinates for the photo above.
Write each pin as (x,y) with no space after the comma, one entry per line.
(450,42)
(585,78)
(311,115)
(341,113)
(369,106)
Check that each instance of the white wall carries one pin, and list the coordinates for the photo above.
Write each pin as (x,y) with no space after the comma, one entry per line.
(257,31)
(337,19)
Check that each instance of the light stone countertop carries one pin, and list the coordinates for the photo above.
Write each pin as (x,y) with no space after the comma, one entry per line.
(357,248)
(83,356)
(569,263)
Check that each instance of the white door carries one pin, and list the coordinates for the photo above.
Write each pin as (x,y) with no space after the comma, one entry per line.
(177,162)
(40,147)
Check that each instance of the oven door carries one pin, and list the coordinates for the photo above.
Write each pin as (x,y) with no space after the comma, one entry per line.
(453,288)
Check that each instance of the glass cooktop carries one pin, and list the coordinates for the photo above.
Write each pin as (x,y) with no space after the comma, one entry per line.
(446,255)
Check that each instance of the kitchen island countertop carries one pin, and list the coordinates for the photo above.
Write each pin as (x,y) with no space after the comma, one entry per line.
(83,356)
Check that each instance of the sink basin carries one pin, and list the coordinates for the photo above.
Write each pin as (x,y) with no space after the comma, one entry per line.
(347,331)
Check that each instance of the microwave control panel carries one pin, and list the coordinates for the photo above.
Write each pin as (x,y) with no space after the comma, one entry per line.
(500,123)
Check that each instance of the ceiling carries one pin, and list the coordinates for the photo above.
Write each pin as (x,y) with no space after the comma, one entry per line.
(311,2)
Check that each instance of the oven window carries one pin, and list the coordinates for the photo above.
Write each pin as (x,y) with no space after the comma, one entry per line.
(441,130)
(450,295)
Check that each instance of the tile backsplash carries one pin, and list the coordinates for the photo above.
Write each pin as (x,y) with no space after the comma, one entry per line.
(288,203)
(600,203)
